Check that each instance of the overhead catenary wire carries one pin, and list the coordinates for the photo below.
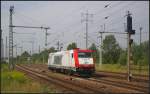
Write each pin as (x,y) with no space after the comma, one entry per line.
(25,33)
(68,30)
(113,13)
(119,9)
(105,9)
(70,26)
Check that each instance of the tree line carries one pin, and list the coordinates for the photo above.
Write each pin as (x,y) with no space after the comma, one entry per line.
(112,53)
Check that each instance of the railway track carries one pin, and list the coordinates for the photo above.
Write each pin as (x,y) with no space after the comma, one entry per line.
(143,89)
(84,85)
(135,77)
(77,88)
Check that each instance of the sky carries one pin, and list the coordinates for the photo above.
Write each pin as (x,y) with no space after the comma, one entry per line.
(64,19)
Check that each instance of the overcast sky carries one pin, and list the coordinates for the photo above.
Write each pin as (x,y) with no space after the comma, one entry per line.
(64,19)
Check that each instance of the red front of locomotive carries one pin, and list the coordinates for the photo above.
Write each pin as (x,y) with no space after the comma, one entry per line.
(84,62)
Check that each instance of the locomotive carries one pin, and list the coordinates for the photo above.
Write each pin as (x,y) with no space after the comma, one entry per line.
(76,61)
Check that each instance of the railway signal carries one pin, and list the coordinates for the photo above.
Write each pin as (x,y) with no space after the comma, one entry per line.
(130,32)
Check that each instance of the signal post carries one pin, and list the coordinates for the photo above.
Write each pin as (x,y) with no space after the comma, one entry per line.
(130,41)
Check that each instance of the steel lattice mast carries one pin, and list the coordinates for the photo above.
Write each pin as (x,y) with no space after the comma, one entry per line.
(11,65)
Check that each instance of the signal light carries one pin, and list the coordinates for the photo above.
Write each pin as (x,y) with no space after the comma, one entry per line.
(129,23)
(132,32)
(131,41)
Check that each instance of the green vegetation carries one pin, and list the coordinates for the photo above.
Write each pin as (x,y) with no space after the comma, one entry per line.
(112,54)
(115,58)
(141,53)
(17,82)
(95,54)
(72,46)
(111,50)
(36,58)
(122,68)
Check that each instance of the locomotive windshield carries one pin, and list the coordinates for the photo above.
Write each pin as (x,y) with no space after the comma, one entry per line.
(84,55)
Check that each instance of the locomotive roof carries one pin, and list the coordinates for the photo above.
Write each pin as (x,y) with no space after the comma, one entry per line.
(71,51)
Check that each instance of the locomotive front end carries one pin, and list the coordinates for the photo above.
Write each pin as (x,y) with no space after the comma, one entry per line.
(86,63)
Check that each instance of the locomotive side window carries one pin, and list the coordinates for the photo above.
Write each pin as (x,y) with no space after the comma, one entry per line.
(72,55)
(84,55)
(57,60)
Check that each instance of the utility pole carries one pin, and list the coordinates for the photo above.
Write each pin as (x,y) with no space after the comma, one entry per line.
(130,41)
(100,48)
(46,34)
(16,53)
(61,46)
(39,48)
(32,42)
(11,64)
(86,22)
(140,35)
(2,49)
(46,28)
(140,47)
(20,54)
(104,27)
(0,45)
(6,49)
(21,49)
(129,47)
(58,44)
(32,46)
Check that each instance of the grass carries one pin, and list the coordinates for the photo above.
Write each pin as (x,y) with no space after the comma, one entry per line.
(122,68)
(17,82)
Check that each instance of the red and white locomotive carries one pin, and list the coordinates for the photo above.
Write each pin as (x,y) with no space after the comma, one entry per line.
(72,61)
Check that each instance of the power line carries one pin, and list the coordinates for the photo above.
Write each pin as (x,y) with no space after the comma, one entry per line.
(119,9)
(115,12)
(108,6)
(29,18)
(25,33)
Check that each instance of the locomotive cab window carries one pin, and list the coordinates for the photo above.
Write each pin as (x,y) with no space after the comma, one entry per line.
(85,55)
(72,55)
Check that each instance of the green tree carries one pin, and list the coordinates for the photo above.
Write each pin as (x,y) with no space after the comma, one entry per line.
(25,54)
(51,50)
(95,54)
(23,57)
(43,55)
(111,50)
(137,53)
(140,53)
(123,58)
(72,46)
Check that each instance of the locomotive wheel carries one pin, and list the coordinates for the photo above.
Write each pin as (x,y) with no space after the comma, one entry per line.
(65,71)
(54,70)
(61,70)
(69,72)
(51,70)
